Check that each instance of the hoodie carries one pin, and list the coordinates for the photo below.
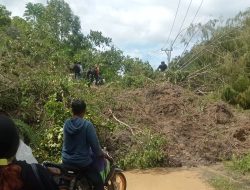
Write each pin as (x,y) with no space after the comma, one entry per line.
(80,142)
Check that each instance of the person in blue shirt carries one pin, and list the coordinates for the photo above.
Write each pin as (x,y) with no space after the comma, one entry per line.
(81,147)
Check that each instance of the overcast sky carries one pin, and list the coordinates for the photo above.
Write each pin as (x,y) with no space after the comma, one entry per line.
(140,27)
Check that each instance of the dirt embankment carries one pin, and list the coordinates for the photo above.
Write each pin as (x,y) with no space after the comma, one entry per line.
(198,132)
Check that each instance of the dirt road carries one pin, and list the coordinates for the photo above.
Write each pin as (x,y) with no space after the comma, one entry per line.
(167,179)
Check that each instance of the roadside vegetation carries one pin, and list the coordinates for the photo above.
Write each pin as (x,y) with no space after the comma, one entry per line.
(36,57)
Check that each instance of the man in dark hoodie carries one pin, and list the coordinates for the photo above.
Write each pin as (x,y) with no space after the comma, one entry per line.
(81,147)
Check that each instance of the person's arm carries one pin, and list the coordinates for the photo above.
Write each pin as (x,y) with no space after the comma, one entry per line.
(46,178)
(93,140)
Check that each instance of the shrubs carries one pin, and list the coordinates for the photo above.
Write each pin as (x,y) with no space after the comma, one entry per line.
(241,84)
(176,76)
(238,93)
(241,164)
(26,132)
(244,99)
(229,95)
(52,137)
(135,81)
(149,153)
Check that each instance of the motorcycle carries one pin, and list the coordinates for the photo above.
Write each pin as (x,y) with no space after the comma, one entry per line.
(71,178)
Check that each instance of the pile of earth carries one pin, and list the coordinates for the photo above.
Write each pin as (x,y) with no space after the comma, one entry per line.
(197,130)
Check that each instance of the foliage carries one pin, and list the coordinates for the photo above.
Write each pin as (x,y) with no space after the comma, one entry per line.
(51,142)
(27,133)
(50,146)
(135,81)
(238,93)
(241,164)
(229,95)
(241,84)
(149,153)
(4,16)
(219,58)
(36,56)
(176,76)
(244,99)
(222,183)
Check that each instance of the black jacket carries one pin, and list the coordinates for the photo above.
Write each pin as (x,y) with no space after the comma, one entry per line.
(30,180)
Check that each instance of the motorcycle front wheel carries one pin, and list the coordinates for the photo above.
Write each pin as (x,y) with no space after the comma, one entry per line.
(117,182)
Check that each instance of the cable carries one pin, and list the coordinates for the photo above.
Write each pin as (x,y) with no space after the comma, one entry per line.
(197,54)
(190,25)
(192,75)
(185,16)
(173,22)
(215,40)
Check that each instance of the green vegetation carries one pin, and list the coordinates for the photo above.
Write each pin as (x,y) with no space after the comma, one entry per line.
(218,61)
(147,154)
(36,57)
(241,164)
(221,183)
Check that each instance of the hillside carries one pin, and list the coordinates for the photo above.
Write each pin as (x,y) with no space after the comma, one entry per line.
(142,119)
(197,131)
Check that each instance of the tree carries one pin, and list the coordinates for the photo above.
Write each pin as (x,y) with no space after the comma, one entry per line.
(60,20)
(98,40)
(34,12)
(5,19)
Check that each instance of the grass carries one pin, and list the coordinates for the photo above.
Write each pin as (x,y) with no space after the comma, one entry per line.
(221,183)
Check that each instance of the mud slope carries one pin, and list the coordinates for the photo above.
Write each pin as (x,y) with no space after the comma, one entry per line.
(198,132)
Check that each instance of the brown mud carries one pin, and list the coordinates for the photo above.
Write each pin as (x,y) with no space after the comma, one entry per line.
(198,132)
(167,179)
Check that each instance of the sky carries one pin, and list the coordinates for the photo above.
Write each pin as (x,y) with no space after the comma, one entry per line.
(141,28)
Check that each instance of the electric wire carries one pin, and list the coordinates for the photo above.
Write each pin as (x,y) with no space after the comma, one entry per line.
(171,30)
(183,21)
(201,51)
(194,32)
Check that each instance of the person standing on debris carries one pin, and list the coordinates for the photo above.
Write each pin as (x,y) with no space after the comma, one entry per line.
(90,76)
(97,74)
(162,67)
(77,70)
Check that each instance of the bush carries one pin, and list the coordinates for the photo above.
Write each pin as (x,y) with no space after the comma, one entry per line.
(241,164)
(27,133)
(176,76)
(229,95)
(148,154)
(241,84)
(51,141)
(50,146)
(135,81)
(244,99)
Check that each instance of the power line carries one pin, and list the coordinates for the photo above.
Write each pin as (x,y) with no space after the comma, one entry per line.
(194,57)
(173,22)
(169,51)
(192,75)
(190,25)
(185,16)
(219,37)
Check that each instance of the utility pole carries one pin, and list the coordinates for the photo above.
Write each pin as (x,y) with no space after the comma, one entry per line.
(168,52)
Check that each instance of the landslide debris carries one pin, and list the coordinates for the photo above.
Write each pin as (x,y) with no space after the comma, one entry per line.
(197,131)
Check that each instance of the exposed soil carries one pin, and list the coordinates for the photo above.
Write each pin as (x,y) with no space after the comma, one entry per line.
(198,132)
(162,179)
